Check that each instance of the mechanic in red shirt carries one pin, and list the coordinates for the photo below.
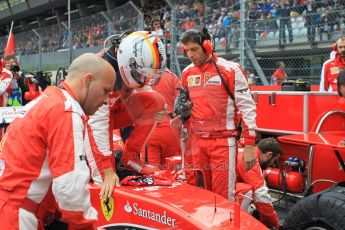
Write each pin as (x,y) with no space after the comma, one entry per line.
(5,85)
(332,67)
(5,89)
(279,75)
(138,59)
(164,140)
(42,151)
(218,90)
(252,183)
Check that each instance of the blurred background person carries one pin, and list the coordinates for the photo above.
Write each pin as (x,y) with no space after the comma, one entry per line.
(279,74)
(284,11)
(332,67)
(164,141)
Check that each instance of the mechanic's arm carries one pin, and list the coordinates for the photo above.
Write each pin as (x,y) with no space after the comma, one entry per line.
(157,116)
(100,133)
(262,199)
(67,163)
(5,81)
(246,106)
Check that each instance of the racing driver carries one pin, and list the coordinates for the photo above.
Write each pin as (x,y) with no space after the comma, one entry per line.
(138,59)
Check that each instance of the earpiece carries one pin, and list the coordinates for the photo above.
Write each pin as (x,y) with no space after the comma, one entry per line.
(207,43)
(207,46)
(205,40)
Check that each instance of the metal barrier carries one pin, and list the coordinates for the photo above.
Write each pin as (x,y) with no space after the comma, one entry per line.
(298,35)
(257,35)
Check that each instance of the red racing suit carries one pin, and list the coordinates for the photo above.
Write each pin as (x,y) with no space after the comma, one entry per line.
(164,140)
(214,118)
(5,88)
(252,181)
(329,73)
(43,150)
(279,76)
(126,108)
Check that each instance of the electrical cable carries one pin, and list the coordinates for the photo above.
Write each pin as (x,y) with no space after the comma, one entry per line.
(282,179)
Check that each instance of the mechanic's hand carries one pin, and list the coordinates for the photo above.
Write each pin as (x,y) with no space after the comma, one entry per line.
(249,157)
(110,180)
(159,116)
(176,121)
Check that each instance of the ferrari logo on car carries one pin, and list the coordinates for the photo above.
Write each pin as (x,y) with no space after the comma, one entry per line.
(108,208)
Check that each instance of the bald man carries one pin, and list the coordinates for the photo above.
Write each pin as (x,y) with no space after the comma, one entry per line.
(332,67)
(42,152)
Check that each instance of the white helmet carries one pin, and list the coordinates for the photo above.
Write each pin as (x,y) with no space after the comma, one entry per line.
(142,59)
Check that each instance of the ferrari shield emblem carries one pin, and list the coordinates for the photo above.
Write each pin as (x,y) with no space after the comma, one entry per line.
(207,76)
(108,208)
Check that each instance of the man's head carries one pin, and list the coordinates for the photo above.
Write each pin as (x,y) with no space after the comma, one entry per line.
(268,152)
(12,65)
(91,79)
(9,61)
(141,58)
(281,65)
(341,83)
(197,46)
(341,46)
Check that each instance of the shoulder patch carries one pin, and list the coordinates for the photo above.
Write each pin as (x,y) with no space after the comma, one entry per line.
(334,70)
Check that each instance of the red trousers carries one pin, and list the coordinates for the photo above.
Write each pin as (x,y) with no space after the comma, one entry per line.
(216,157)
(163,142)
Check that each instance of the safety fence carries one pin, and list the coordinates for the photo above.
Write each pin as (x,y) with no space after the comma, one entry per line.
(259,35)
(263,35)
(51,44)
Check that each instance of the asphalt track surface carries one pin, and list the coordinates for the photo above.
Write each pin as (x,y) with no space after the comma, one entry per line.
(282,205)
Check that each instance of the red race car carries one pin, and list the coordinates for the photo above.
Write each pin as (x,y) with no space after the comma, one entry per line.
(178,206)
(161,201)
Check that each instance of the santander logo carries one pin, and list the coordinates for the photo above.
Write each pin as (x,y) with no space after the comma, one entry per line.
(162,218)
(128,207)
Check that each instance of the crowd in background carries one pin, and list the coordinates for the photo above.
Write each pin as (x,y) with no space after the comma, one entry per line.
(283,18)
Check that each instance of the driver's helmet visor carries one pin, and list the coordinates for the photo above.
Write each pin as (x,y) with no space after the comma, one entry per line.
(146,76)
